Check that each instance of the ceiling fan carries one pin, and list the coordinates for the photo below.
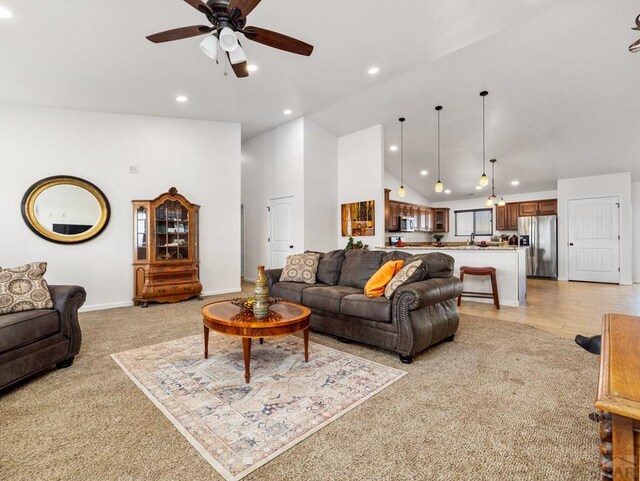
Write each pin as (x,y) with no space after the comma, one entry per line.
(635,46)
(229,17)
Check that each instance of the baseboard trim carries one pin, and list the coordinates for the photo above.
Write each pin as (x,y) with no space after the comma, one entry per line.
(222,291)
(102,307)
(248,279)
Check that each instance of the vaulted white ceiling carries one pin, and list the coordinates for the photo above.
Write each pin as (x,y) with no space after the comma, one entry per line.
(563,100)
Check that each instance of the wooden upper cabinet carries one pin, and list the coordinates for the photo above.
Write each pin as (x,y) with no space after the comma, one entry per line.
(548,207)
(441,220)
(527,208)
(541,207)
(387,209)
(512,217)
(501,217)
(394,216)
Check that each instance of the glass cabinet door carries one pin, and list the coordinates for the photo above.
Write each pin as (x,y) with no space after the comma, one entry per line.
(142,227)
(196,239)
(172,231)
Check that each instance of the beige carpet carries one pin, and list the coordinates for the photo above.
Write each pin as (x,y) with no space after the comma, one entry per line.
(503,401)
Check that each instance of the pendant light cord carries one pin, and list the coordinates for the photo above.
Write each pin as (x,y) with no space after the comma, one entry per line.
(484,156)
(493,179)
(401,153)
(438,145)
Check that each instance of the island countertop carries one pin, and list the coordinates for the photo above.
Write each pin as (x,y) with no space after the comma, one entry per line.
(458,248)
(509,262)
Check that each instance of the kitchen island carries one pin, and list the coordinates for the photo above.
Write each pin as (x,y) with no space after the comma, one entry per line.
(509,262)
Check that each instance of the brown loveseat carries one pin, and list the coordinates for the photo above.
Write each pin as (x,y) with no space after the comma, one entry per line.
(419,314)
(31,341)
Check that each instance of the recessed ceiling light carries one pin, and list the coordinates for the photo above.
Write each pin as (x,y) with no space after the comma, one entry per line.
(252,68)
(374,70)
(447,191)
(288,112)
(393,148)
(478,187)
(424,172)
(182,98)
(515,182)
(5,13)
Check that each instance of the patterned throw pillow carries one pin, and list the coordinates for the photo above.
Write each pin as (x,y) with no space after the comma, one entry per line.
(401,277)
(301,268)
(23,288)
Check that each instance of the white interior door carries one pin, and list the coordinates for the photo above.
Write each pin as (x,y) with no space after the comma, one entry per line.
(281,230)
(594,239)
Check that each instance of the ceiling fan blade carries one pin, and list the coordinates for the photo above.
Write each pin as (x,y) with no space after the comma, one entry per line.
(637,27)
(179,33)
(200,5)
(635,46)
(245,6)
(277,40)
(240,69)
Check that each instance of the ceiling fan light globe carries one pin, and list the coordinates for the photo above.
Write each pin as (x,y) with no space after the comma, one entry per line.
(439,187)
(484,180)
(228,40)
(209,47)
(237,56)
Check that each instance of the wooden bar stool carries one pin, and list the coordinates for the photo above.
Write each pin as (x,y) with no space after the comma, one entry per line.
(481,271)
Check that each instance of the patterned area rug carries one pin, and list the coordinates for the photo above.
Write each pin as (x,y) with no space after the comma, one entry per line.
(239,427)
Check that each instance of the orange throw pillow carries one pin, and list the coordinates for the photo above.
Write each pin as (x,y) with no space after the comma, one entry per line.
(375,286)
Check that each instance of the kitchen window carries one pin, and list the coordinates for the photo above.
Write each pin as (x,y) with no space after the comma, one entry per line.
(478,222)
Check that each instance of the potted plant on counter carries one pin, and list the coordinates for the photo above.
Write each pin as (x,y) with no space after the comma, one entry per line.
(438,238)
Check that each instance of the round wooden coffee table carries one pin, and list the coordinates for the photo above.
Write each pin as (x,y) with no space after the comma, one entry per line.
(284,318)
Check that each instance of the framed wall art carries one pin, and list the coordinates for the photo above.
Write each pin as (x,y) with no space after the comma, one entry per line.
(359,218)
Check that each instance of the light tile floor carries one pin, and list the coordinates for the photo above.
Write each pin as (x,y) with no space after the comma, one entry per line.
(565,308)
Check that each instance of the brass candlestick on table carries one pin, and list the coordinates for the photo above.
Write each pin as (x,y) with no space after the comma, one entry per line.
(261,295)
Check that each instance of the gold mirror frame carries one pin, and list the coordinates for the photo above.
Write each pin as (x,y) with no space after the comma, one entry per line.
(29,214)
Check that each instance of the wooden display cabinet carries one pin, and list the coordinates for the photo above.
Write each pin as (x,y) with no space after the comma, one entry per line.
(441,220)
(166,249)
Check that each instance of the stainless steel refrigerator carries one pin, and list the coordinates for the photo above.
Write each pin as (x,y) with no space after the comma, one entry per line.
(542,254)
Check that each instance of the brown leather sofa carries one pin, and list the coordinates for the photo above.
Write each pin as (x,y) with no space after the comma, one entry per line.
(32,341)
(419,314)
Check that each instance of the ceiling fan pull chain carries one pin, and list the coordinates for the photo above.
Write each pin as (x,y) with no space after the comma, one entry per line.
(226,62)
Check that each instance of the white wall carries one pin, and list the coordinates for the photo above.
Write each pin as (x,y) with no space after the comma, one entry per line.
(635,200)
(272,166)
(201,159)
(361,178)
(320,187)
(597,186)
(478,203)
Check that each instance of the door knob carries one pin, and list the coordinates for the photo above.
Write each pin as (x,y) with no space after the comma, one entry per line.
(290,247)
(570,243)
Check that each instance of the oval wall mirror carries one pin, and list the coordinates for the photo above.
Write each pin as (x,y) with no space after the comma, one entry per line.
(65,209)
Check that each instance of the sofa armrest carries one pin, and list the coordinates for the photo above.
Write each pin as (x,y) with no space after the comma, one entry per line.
(428,292)
(273,276)
(67,300)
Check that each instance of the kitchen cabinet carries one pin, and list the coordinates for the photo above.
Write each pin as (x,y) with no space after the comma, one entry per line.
(507,216)
(394,216)
(441,220)
(541,207)
(430,219)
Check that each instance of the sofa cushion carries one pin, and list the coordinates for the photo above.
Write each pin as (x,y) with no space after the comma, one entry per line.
(23,288)
(328,298)
(376,284)
(409,273)
(359,265)
(434,264)
(359,305)
(20,328)
(291,291)
(330,266)
(301,268)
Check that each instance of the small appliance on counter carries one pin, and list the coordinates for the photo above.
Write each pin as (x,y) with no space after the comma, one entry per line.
(394,239)
(407,224)
(525,240)
(513,240)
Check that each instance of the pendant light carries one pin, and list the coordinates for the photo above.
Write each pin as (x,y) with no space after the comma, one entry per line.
(493,199)
(439,187)
(484,180)
(402,192)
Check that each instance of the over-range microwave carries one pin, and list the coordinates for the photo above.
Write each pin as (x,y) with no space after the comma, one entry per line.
(407,224)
